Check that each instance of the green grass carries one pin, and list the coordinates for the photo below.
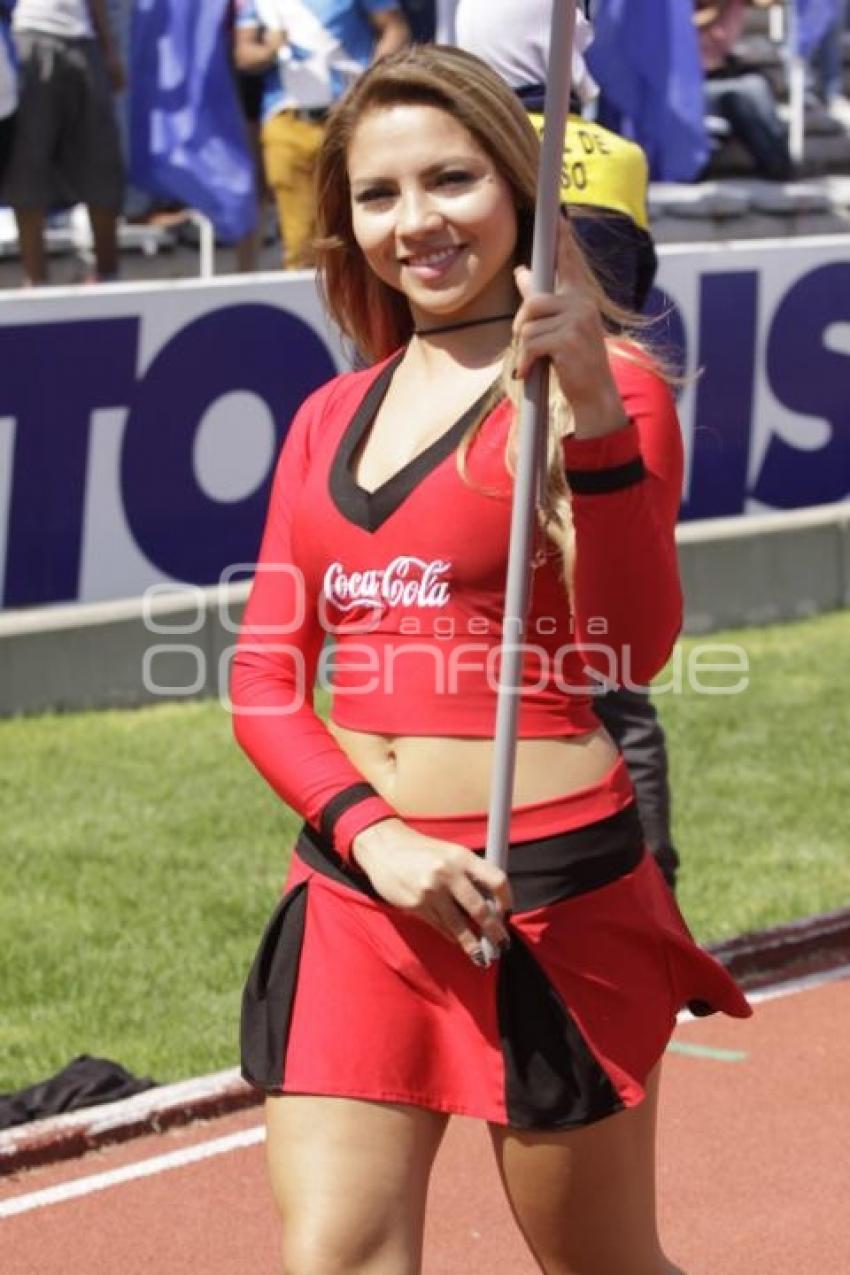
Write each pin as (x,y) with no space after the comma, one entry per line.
(141,852)
(761,781)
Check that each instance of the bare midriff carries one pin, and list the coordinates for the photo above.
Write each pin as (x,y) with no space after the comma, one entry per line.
(440,775)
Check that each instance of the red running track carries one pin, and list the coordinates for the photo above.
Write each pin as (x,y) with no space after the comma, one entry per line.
(754,1166)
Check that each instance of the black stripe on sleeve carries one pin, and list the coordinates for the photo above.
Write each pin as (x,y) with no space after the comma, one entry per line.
(340,803)
(597,482)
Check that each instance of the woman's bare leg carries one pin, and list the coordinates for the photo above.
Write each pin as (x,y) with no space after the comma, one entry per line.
(350,1179)
(585,1199)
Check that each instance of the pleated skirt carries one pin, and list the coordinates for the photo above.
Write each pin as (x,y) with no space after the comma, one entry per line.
(350,997)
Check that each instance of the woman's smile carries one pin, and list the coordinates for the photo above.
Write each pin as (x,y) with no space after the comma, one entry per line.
(433,264)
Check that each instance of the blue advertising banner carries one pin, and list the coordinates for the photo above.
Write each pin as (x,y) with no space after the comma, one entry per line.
(139,429)
(763,332)
(139,424)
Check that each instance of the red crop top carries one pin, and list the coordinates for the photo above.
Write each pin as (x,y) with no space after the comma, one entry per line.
(409,580)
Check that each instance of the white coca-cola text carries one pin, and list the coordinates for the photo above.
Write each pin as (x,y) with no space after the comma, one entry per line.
(405,582)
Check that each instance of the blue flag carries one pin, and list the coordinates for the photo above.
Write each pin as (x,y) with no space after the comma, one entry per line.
(645,57)
(188,139)
(813,19)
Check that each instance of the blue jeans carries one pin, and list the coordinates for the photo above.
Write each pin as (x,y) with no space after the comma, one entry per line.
(827,62)
(746,101)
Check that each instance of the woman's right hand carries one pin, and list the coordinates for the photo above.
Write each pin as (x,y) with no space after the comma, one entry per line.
(444,884)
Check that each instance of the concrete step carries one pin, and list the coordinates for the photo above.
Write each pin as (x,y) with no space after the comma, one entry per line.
(817,120)
(703,199)
(824,153)
(670,230)
(749,208)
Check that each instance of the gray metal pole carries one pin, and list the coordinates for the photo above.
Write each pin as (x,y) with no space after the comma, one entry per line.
(532,424)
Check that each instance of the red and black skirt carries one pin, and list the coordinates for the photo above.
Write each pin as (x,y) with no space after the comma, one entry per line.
(351,997)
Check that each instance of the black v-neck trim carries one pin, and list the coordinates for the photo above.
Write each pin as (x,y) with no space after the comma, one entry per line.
(371,509)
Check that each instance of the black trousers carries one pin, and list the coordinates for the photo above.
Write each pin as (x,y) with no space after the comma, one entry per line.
(7,134)
(632,722)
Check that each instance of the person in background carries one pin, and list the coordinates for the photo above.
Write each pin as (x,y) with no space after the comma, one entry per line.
(421,19)
(605,185)
(308,52)
(739,93)
(8,83)
(827,63)
(249,86)
(66,147)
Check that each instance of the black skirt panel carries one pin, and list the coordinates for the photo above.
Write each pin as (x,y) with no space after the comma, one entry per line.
(269,992)
(552,1080)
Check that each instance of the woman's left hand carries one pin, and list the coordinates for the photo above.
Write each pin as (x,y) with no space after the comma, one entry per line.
(566,327)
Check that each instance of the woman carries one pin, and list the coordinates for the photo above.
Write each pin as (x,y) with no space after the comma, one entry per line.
(369,1013)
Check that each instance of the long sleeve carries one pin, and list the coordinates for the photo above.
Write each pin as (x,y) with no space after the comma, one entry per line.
(274,671)
(626,487)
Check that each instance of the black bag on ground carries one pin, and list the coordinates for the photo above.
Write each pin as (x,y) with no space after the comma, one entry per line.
(85,1082)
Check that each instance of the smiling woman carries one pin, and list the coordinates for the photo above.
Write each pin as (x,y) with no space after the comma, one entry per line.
(442,233)
(369,1015)
(477,159)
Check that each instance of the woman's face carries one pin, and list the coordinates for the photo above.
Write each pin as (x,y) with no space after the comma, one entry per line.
(432,214)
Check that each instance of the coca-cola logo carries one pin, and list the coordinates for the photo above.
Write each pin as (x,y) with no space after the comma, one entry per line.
(404,582)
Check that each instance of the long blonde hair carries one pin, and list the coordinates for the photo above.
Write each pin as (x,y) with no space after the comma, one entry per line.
(376,317)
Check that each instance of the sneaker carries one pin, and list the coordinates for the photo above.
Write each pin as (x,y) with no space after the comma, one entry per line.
(839,109)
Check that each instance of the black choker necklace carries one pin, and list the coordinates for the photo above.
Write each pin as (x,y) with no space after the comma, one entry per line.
(466,323)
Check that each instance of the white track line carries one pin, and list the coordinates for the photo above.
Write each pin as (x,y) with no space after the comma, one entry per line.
(252,1137)
(143,1169)
(795,985)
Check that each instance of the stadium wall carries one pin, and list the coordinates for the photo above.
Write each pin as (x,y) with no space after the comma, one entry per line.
(139,424)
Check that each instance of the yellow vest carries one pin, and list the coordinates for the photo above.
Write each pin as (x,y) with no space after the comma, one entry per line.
(602,169)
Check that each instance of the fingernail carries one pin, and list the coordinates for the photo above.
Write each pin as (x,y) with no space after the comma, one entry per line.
(478,957)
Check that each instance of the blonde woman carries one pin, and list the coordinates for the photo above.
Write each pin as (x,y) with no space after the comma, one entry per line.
(370,1016)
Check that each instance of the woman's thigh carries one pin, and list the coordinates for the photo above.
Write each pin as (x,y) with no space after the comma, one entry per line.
(585,1199)
(350,1180)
